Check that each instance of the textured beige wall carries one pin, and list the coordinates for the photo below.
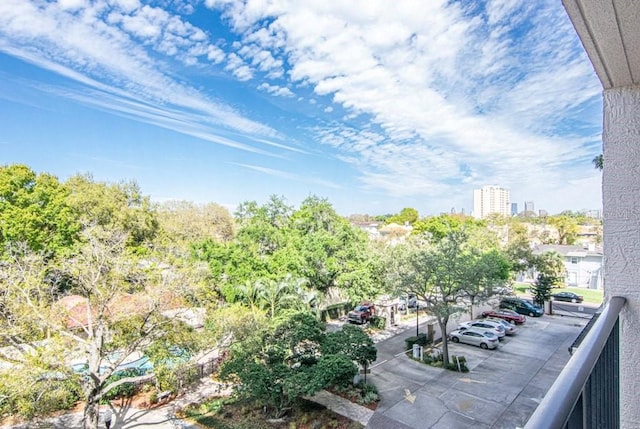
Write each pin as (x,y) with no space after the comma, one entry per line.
(621,194)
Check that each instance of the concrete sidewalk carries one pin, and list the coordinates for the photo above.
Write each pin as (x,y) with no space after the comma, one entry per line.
(342,406)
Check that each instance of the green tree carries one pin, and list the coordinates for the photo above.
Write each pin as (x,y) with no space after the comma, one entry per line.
(551,264)
(598,162)
(542,289)
(486,271)
(182,223)
(34,210)
(280,366)
(550,271)
(407,215)
(353,342)
(438,227)
(518,249)
(437,274)
(115,310)
(114,206)
(274,296)
(329,247)
(567,228)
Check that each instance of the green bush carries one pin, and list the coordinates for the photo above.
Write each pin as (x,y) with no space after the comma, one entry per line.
(125,390)
(420,339)
(454,364)
(378,322)
(38,394)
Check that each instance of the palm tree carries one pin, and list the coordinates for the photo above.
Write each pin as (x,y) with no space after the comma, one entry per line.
(598,162)
(276,295)
(250,294)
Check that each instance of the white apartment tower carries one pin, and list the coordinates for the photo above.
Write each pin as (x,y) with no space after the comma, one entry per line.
(491,199)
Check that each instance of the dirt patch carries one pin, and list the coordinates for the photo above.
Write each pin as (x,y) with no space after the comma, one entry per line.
(221,414)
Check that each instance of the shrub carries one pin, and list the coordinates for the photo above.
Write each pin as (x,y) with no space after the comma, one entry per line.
(36,394)
(378,322)
(453,365)
(125,390)
(420,339)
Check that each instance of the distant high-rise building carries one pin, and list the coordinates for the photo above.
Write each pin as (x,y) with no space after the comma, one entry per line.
(528,207)
(491,199)
(514,209)
(543,213)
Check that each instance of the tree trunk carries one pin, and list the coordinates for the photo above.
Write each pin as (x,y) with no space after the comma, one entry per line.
(91,412)
(445,343)
(473,300)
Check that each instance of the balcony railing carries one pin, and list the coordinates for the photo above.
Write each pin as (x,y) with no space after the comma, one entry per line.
(586,394)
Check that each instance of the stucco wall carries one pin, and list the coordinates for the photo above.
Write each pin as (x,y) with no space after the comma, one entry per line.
(621,203)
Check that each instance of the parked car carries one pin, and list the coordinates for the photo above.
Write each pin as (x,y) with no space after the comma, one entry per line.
(509,328)
(505,314)
(521,306)
(412,302)
(503,290)
(567,296)
(485,325)
(473,336)
(362,313)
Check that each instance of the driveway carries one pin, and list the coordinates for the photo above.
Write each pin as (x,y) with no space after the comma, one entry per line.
(502,389)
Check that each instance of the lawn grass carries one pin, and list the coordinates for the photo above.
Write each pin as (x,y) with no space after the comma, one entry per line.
(591,296)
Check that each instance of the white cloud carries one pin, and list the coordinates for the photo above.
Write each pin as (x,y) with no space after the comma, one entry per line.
(290,176)
(276,90)
(437,96)
(105,58)
(460,94)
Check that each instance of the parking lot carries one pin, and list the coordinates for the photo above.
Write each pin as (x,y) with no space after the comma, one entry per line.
(501,390)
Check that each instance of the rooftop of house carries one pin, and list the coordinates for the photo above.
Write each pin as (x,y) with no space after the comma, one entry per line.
(569,250)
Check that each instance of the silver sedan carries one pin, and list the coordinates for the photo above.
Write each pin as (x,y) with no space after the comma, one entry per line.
(476,337)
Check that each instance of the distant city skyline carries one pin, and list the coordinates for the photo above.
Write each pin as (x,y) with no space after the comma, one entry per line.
(374,105)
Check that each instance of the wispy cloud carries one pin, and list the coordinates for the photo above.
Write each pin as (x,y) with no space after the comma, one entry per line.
(434,96)
(290,176)
(455,93)
(101,45)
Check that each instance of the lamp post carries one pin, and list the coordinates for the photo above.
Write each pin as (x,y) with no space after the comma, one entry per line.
(417,319)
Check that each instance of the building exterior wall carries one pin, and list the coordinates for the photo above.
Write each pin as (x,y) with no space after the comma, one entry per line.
(529,207)
(621,204)
(584,272)
(491,199)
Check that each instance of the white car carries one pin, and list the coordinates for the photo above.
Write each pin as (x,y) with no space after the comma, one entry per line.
(509,328)
(495,327)
(476,337)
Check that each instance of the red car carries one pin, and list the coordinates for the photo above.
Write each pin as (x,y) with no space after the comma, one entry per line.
(362,313)
(506,314)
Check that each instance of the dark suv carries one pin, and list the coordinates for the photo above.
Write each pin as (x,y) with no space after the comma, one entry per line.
(521,306)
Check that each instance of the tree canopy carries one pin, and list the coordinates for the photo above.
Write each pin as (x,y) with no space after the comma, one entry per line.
(311,243)
(35,210)
(294,357)
(442,273)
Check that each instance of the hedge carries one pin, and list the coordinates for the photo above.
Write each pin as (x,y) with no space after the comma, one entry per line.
(420,339)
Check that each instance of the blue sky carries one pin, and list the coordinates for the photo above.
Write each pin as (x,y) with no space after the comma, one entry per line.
(375,105)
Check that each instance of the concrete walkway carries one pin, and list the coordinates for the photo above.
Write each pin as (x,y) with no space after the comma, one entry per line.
(342,406)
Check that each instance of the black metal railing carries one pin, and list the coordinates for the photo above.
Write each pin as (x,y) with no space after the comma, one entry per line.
(587,393)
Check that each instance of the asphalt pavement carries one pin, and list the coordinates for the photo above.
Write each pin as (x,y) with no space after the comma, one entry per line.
(502,389)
